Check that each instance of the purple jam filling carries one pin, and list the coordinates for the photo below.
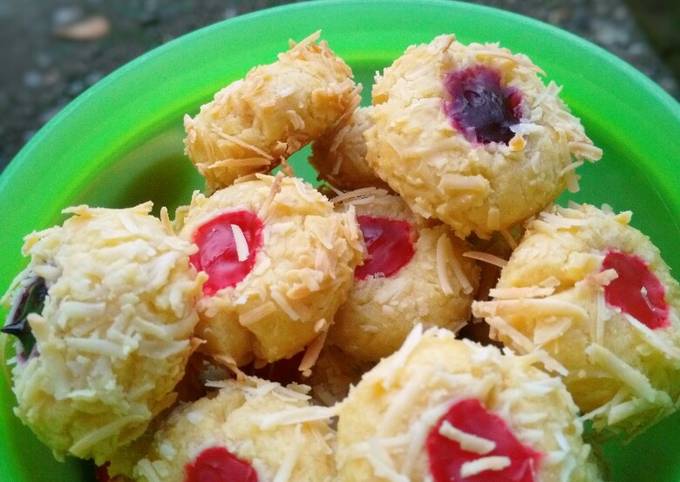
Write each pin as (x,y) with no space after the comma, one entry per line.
(480,107)
(31,299)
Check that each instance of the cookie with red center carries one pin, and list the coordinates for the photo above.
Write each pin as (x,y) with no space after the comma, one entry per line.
(594,296)
(104,317)
(340,155)
(250,431)
(279,261)
(441,409)
(413,272)
(255,122)
(470,135)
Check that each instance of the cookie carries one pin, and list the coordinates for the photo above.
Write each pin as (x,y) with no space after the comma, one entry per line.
(470,135)
(593,295)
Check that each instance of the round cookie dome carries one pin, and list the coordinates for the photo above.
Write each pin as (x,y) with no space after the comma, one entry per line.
(469,134)
(254,123)
(250,431)
(414,272)
(593,294)
(340,155)
(105,313)
(279,262)
(442,409)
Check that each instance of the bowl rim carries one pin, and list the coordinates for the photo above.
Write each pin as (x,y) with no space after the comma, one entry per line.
(25,158)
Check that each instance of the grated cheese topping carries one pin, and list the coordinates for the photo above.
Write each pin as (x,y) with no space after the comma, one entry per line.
(616,367)
(467,441)
(482,464)
(358,194)
(296,415)
(285,471)
(442,271)
(312,354)
(282,302)
(242,250)
(486,258)
(522,292)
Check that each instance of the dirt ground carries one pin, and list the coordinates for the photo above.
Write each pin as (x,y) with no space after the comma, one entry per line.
(45,64)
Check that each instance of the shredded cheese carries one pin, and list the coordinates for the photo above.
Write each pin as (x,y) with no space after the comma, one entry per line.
(98,347)
(146,469)
(656,341)
(84,443)
(285,471)
(571,167)
(585,150)
(280,300)
(522,292)
(358,193)
(620,395)
(621,370)
(553,306)
(486,258)
(381,463)
(223,135)
(403,399)
(516,336)
(444,258)
(442,272)
(509,238)
(241,162)
(312,354)
(619,412)
(474,467)
(399,358)
(467,441)
(550,329)
(562,221)
(273,191)
(242,250)
(601,317)
(460,274)
(250,317)
(296,415)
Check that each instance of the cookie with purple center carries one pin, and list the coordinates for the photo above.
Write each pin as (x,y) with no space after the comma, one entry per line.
(470,135)
(103,317)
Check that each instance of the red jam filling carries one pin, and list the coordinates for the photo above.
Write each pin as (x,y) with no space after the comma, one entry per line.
(389,243)
(636,291)
(446,457)
(217,464)
(217,249)
(480,107)
(102,473)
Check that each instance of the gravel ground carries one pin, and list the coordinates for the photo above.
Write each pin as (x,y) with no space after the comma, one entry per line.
(45,67)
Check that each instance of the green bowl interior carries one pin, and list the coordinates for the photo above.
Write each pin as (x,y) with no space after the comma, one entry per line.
(120,143)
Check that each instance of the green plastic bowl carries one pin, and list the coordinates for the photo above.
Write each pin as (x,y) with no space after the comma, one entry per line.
(120,143)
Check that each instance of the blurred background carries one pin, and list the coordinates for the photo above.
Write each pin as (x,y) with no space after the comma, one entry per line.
(52,50)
